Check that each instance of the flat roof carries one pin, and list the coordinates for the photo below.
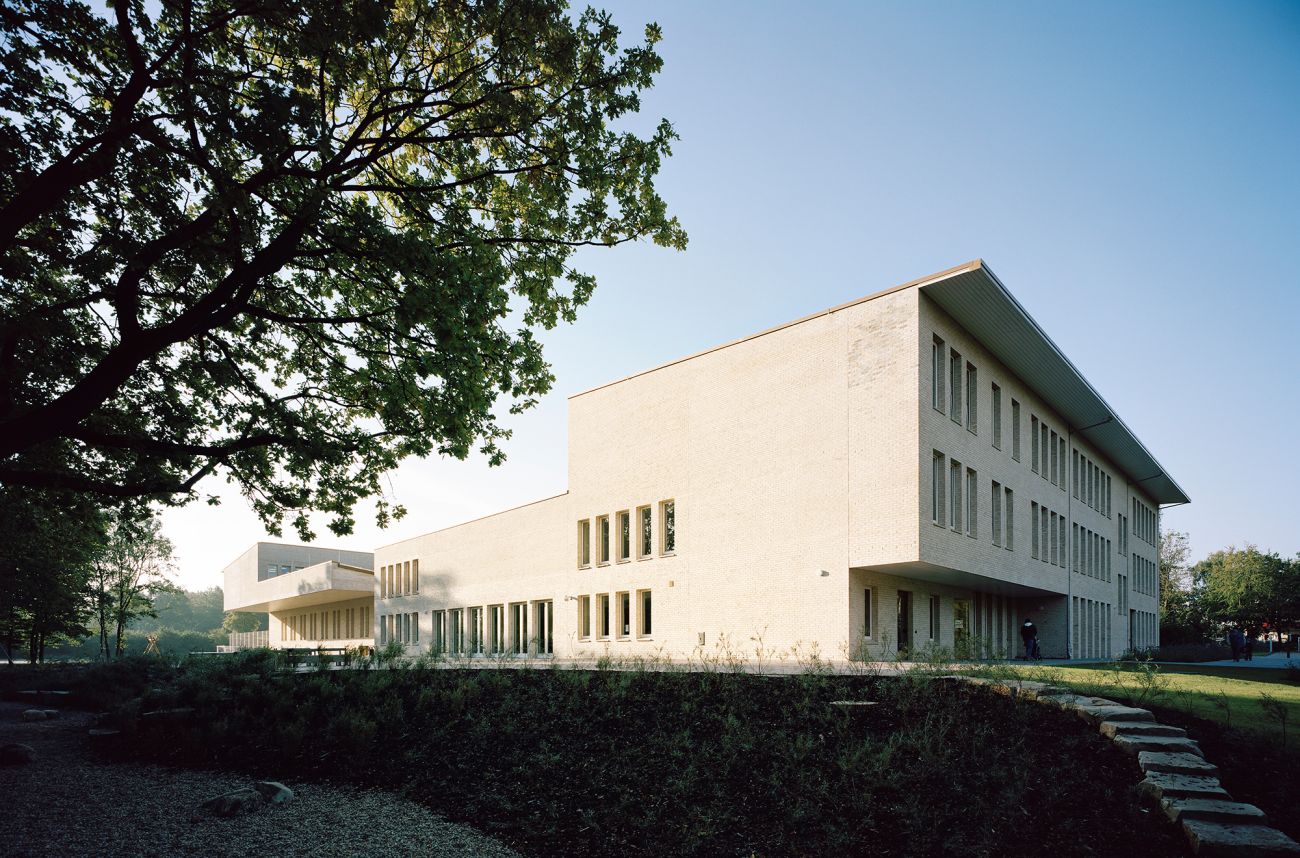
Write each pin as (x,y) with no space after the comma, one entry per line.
(977,300)
(973,295)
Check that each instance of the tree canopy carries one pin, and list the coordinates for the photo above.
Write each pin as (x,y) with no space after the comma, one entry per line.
(1258,590)
(294,243)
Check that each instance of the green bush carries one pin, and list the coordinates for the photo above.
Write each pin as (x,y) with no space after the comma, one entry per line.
(670,762)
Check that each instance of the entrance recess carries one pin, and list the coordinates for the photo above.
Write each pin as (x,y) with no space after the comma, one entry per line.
(961,628)
(904,622)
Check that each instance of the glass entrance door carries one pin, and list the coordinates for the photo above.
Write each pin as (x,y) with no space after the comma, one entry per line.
(961,628)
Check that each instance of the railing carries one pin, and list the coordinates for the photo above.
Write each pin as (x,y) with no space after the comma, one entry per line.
(250,640)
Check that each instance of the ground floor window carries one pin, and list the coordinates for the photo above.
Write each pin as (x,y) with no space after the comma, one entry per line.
(623,603)
(643,624)
(584,617)
(602,613)
(867,612)
(544,616)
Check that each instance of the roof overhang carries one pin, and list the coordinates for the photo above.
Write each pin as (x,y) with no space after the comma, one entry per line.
(977,300)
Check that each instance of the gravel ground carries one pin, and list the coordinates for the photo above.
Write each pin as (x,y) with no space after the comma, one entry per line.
(69,803)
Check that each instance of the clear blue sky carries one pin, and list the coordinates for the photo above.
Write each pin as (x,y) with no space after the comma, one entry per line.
(1130,171)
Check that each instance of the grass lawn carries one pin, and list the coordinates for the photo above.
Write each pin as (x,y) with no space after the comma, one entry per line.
(1222,708)
(1234,698)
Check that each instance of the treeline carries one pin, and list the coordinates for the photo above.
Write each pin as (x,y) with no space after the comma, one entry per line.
(83,580)
(1256,590)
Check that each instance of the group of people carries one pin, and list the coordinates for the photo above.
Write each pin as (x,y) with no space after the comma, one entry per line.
(1239,644)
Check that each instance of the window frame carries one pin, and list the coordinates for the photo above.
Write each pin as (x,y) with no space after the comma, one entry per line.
(644,614)
(602,540)
(645,542)
(667,527)
(584,543)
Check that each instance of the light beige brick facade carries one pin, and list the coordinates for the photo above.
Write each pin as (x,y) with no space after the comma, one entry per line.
(799,466)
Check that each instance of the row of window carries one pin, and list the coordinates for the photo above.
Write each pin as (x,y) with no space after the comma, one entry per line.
(1123,534)
(623,538)
(1146,524)
(275,570)
(1047,541)
(1047,452)
(616,607)
(960,511)
(399,579)
(403,628)
(513,628)
(336,624)
(1091,629)
(954,402)
(1145,575)
(1092,554)
(1145,631)
(1091,485)
(1004,524)
(904,605)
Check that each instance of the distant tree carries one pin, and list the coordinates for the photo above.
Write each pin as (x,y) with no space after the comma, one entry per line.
(243,621)
(126,576)
(1175,570)
(1249,587)
(184,611)
(47,542)
(296,242)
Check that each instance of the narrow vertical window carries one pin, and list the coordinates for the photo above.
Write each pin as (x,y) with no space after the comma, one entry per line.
(1060,442)
(934,618)
(623,547)
(1015,430)
(1054,460)
(1056,545)
(584,543)
(645,532)
(936,489)
(996,399)
(602,539)
(1046,451)
(972,501)
(1042,523)
(584,617)
(602,614)
(1033,444)
(954,495)
(954,389)
(1060,524)
(667,527)
(1010,513)
(996,507)
(1074,473)
(623,604)
(937,355)
(1033,524)
(972,398)
(867,614)
(643,620)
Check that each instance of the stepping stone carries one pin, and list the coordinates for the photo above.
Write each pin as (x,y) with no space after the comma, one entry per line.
(1110,729)
(1167,744)
(1178,809)
(1176,764)
(34,715)
(1114,712)
(1159,785)
(274,791)
(1225,840)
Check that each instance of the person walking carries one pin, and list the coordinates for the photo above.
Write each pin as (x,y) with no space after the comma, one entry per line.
(1029,634)
(1235,641)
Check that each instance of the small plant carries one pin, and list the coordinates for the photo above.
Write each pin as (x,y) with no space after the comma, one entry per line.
(1276,711)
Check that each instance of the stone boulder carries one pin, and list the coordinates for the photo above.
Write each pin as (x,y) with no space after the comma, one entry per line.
(34,715)
(234,803)
(274,792)
(16,755)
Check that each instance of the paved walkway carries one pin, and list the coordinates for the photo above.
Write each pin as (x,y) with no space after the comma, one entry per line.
(1275,661)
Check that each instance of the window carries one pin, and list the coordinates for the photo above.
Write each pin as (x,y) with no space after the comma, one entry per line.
(645,532)
(623,604)
(643,619)
(954,495)
(1055,461)
(584,543)
(937,354)
(934,618)
(936,490)
(584,617)
(867,615)
(972,485)
(544,624)
(1033,523)
(1060,443)
(602,614)
(1011,521)
(1074,473)
(1043,523)
(1062,560)
(624,549)
(996,398)
(1033,444)
(1015,430)
(1056,546)
(1042,427)
(996,506)
(519,628)
(972,398)
(667,527)
(497,629)
(602,539)
(954,376)
(475,631)
(455,631)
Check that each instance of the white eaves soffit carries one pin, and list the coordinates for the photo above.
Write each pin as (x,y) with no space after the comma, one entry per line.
(978,301)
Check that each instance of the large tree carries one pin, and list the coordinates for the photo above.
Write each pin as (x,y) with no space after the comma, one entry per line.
(1258,590)
(127,575)
(294,243)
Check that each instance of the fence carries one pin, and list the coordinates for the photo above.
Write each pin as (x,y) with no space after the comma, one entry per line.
(250,640)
